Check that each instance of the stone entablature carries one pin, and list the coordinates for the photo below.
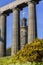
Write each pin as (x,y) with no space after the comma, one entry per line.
(17,3)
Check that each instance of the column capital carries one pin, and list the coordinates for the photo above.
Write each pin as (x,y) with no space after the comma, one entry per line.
(16,9)
(3,14)
(34,1)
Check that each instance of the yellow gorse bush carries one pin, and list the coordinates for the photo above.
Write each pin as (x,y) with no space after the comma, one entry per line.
(30,52)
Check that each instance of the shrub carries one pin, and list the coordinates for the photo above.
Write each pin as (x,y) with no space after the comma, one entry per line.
(8,51)
(30,52)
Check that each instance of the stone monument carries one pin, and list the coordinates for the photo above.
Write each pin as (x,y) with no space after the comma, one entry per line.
(15,8)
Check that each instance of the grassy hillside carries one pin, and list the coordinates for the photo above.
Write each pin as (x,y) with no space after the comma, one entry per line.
(31,54)
(4,60)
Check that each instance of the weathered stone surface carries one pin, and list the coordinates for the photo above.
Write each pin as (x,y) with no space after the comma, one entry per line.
(2,35)
(32,27)
(15,4)
(32,32)
(23,33)
(15,31)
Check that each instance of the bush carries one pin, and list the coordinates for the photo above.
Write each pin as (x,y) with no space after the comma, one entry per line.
(30,52)
(8,51)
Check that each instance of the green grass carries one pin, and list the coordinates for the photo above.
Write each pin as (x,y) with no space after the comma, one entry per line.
(4,60)
(31,54)
(28,63)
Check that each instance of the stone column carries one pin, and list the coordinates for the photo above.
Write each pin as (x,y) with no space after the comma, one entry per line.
(2,35)
(32,27)
(15,31)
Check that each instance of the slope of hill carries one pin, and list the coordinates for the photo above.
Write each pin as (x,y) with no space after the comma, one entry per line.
(4,60)
(31,54)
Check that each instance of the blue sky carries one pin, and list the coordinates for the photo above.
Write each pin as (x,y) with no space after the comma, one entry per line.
(39,12)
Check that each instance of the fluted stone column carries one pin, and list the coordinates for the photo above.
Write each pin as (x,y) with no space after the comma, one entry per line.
(32,26)
(2,35)
(15,31)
